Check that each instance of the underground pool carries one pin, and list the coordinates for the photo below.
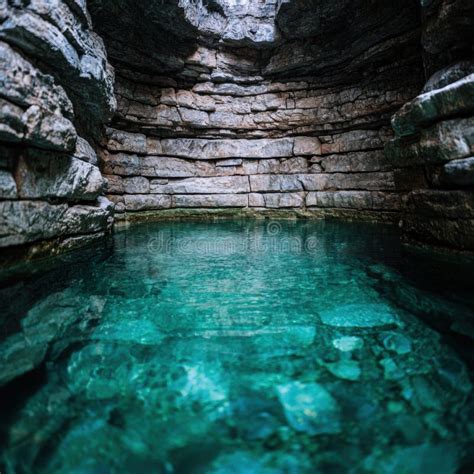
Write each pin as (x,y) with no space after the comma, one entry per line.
(240,347)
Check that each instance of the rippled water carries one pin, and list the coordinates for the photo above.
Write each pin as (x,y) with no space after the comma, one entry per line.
(240,347)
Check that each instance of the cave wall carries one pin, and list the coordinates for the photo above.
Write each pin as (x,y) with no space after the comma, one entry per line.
(435,132)
(56,91)
(269,122)
(234,107)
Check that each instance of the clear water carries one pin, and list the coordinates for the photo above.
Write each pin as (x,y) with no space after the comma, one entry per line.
(240,347)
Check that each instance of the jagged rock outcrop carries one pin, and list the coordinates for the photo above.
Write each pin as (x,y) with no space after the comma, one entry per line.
(55,85)
(436,139)
(435,132)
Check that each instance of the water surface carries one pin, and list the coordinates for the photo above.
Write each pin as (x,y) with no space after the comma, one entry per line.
(240,347)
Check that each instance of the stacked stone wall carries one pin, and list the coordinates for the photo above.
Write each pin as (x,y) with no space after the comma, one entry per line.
(255,144)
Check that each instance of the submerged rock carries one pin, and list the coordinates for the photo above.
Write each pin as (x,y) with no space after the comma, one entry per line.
(397,343)
(345,369)
(241,462)
(309,408)
(348,343)
(391,369)
(433,459)
(359,316)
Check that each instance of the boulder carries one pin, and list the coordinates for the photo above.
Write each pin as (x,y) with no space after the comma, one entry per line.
(49,131)
(85,152)
(309,408)
(25,85)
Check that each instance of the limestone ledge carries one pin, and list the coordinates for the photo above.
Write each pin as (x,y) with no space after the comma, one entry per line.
(29,221)
(214,149)
(123,220)
(439,143)
(356,200)
(455,99)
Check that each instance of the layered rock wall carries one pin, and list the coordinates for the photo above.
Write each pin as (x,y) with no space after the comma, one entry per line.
(56,91)
(241,125)
(435,132)
(276,145)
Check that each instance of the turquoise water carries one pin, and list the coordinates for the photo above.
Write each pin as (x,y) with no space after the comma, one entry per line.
(240,347)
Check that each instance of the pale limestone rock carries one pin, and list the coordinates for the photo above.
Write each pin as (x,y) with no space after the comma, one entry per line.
(136,185)
(11,122)
(46,175)
(307,146)
(50,131)
(354,200)
(150,166)
(146,202)
(353,162)
(448,75)
(280,183)
(210,200)
(256,200)
(282,166)
(360,181)
(222,148)
(85,152)
(118,140)
(229,162)
(24,85)
(29,221)
(444,141)
(114,184)
(284,200)
(219,185)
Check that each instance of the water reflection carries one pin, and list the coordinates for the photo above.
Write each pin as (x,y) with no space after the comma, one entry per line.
(293,347)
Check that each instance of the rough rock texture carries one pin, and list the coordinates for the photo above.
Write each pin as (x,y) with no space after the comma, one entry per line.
(245,105)
(55,84)
(256,106)
(435,132)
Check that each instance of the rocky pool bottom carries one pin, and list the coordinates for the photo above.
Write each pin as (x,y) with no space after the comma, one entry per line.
(240,347)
